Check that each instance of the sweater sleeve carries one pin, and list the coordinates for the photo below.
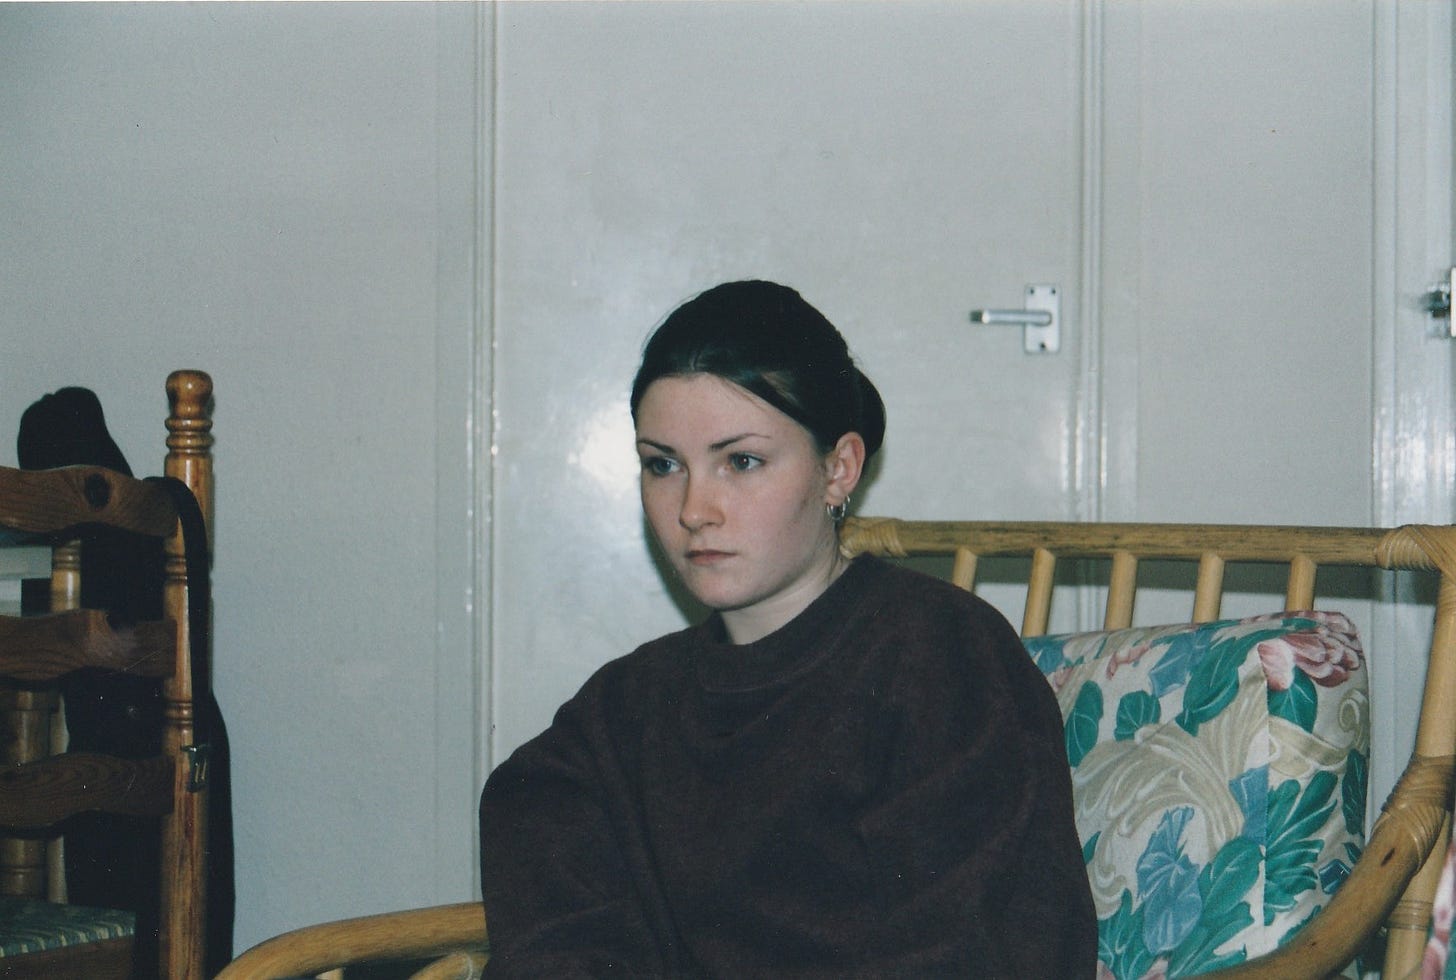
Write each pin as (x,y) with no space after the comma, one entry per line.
(559,901)
(973,845)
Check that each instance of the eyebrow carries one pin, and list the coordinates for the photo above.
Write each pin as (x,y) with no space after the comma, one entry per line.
(714,447)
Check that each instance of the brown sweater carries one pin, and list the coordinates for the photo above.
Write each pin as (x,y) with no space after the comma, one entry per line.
(878,789)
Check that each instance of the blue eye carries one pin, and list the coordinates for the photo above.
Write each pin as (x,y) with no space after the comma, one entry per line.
(744,461)
(658,465)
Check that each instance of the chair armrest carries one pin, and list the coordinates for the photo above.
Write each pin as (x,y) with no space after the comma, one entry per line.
(1399,844)
(415,934)
(456,966)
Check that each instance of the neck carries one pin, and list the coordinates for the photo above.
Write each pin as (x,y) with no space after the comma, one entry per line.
(753,623)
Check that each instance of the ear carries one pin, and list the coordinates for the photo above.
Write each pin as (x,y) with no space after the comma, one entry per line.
(844,465)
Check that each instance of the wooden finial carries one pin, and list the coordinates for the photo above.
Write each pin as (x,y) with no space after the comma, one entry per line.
(189,435)
(189,394)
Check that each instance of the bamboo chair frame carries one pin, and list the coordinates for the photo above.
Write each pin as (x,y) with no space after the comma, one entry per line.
(453,933)
(1390,887)
(36,791)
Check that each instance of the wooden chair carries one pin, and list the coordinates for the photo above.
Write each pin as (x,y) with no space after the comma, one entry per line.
(40,788)
(1389,888)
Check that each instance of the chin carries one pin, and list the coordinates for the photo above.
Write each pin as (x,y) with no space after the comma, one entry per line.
(718,600)
(718,596)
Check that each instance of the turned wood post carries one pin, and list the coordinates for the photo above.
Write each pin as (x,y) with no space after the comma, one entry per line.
(184,832)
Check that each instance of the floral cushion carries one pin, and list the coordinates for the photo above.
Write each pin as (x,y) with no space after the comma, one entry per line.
(1219,774)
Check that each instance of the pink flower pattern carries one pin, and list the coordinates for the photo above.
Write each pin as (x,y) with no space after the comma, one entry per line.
(1058,678)
(1130,655)
(1438,947)
(1326,656)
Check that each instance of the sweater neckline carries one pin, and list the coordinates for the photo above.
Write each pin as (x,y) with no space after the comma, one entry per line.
(793,648)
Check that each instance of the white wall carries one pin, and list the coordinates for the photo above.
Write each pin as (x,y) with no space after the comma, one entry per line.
(283,195)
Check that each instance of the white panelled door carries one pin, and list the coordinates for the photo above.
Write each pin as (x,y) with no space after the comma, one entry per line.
(1201,182)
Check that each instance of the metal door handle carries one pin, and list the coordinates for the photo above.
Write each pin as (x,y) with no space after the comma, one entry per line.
(1041,321)
(1015,318)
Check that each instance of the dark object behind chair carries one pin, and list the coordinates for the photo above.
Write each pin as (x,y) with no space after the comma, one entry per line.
(113,860)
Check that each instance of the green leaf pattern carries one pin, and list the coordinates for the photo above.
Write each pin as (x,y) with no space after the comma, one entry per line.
(1082,723)
(1134,710)
(1214,821)
(1298,705)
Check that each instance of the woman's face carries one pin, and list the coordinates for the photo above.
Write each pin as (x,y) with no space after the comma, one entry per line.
(735,492)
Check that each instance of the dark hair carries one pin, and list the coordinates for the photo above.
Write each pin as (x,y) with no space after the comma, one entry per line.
(767,339)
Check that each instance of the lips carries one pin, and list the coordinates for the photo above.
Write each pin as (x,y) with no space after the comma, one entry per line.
(706,556)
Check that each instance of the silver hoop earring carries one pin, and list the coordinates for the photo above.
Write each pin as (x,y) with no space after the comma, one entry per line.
(837,511)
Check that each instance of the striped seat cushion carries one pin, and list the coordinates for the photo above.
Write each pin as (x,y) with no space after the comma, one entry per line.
(29,926)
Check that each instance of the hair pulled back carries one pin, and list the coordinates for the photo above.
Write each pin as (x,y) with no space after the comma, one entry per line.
(768,340)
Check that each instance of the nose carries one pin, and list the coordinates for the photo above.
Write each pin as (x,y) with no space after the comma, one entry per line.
(701,506)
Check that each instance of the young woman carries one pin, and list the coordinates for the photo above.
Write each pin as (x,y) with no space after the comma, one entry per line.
(848,769)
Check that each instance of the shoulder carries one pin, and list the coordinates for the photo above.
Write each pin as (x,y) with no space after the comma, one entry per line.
(649,660)
(615,701)
(900,597)
(943,635)
(636,678)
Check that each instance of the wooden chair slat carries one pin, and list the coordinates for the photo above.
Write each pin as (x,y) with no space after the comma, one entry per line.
(1331,546)
(43,648)
(1208,589)
(1039,592)
(50,501)
(1299,593)
(1121,591)
(45,792)
(963,570)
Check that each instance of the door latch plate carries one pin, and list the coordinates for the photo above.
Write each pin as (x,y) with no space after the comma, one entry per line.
(1043,338)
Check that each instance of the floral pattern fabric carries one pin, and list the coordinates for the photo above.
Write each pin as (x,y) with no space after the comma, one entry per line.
(1219,774)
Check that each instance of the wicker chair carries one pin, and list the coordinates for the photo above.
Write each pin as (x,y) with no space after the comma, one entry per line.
(1389,888)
